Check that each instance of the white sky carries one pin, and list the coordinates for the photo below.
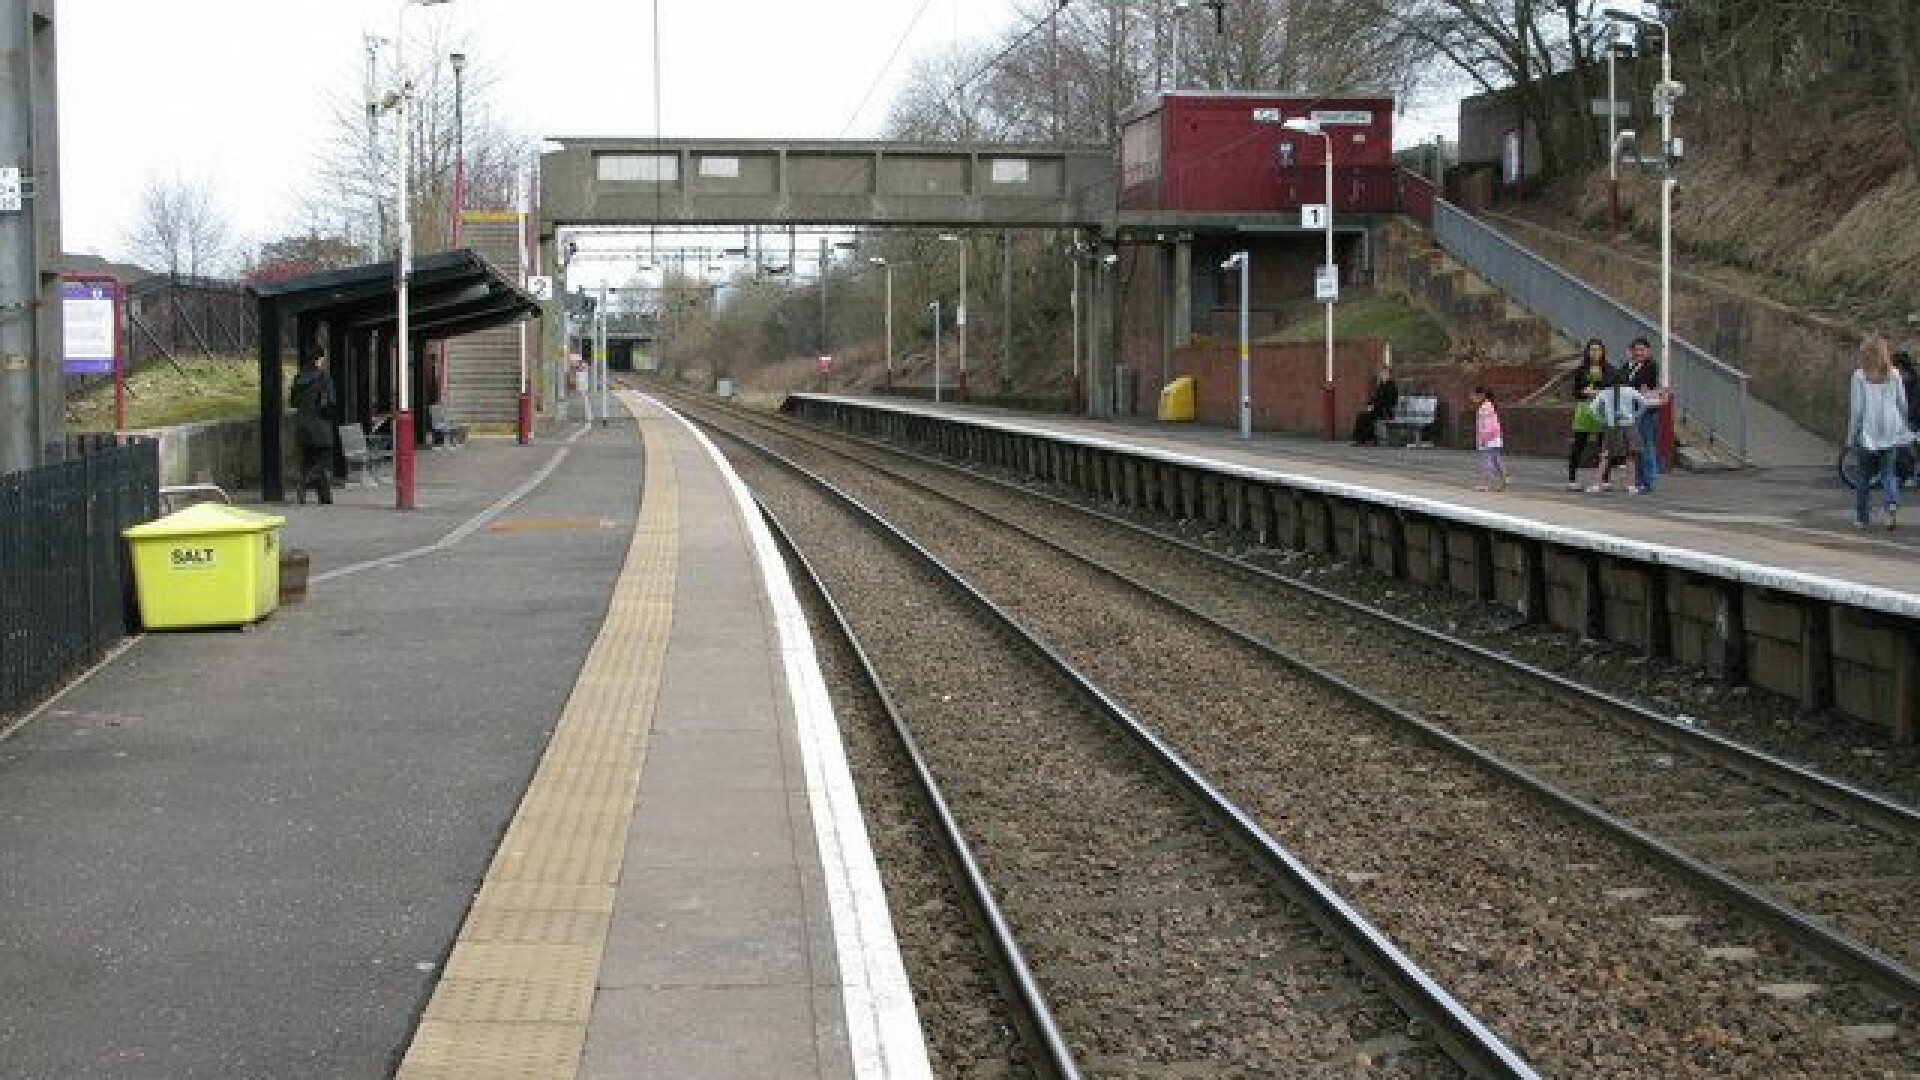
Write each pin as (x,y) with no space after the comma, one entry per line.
(239,93)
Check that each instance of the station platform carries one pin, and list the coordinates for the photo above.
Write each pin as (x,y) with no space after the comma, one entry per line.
(539,780)
(1794,518)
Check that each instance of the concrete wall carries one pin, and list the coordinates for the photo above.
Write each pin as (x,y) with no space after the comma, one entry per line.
(223,452)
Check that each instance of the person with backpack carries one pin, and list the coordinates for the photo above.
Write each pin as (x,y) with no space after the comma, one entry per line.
(1618,409)
(1643,374)
(312,398)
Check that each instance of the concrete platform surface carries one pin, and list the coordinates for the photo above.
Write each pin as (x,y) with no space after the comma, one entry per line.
(535,781)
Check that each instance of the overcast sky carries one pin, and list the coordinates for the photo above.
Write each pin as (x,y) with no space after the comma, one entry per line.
(239,93)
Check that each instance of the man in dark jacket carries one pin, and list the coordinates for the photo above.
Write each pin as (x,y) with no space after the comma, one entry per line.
(312,398)
(1380,405)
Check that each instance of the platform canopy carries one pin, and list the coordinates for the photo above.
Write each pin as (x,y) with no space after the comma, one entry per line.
(351,316)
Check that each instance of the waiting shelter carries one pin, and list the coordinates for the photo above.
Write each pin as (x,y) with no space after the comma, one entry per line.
(351,315)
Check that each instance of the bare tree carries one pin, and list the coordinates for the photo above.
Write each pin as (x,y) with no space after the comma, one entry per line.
(179,228)
(354,181)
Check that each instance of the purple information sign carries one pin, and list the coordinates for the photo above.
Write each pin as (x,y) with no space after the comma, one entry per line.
(88,317)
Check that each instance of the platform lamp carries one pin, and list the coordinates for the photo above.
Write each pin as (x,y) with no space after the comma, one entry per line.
(887,268)
(960,312)
(402,414)
(1329,284)
(1241,261)
(1664,97)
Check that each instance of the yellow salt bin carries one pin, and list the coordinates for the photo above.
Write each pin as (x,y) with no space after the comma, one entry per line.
(1176,400)
(208,565)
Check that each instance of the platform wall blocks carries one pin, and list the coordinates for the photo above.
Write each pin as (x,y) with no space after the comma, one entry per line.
(1785,648)
(1519,578)
(1316,535)
(1633,609)
(1572,590)
(1349,524)
(1426,552)
(1469,561)
(1386,543)
(1873,668)
(1704,625)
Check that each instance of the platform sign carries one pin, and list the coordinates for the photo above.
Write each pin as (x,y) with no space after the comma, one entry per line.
(11,195)
(540,287)
(88,316)
(1342,117)
(1326,284)
(1313,216)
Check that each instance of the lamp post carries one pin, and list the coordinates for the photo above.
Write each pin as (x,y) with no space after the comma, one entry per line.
(887,267)
(1240,260)
(1328,284)
(935,308)
(1664,97)
(402,414)
(459,61)
(960,314)
(1180,9)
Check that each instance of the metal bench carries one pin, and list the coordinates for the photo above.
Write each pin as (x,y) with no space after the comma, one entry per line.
(445,432)
(1415,414)
(180,496)
(365,451)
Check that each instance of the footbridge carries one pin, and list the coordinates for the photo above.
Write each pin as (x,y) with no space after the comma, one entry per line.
(622,182)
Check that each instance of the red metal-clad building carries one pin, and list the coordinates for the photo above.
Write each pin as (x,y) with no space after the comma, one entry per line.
(1226,153)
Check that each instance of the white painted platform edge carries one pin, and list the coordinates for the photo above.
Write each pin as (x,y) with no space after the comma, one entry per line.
(883,1026)
(1816,586)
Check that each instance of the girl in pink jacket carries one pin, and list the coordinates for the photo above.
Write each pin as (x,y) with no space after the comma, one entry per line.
(1487,440)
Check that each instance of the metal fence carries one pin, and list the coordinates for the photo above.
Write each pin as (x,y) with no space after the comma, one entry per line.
(66,590)
(1711,396)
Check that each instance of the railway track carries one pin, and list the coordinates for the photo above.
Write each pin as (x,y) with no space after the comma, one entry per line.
(1596,750)
(1153,929)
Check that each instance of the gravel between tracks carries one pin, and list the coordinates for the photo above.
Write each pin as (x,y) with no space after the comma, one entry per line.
(1533,922)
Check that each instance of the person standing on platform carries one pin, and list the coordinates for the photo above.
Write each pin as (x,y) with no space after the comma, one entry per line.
(1643,374)
(1618,408)
(1588,380)
(311,396)
(1487,439)
(1380,405)
(1876,430)
(1909,385)
(583,387)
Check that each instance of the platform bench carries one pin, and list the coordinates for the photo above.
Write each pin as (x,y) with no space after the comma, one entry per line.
(1415,414)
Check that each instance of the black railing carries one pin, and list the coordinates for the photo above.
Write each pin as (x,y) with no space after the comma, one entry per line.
(66,586)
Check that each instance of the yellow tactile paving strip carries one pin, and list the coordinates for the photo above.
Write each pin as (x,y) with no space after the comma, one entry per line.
(518,990)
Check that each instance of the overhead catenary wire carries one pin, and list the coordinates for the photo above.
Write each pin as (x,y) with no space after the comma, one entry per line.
(886,67)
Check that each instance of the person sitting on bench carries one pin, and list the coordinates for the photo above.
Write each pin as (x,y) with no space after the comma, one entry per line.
(1380,405)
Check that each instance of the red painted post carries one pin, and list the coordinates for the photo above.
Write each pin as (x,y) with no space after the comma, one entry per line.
(526,417)
(403,460)
(1328,416)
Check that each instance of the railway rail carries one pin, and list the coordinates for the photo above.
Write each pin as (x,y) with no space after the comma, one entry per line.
(1565,733)
(1135,885)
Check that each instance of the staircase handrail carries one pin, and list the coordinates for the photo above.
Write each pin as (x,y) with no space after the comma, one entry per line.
(1711,395)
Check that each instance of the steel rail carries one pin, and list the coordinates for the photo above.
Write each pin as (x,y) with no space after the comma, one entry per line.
(1037,1017)
(1870,965)
(1459,1033)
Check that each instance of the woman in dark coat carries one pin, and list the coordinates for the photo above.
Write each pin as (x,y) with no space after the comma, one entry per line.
(312,398)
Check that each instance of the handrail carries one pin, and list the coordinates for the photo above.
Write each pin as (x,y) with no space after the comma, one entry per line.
(1710,394)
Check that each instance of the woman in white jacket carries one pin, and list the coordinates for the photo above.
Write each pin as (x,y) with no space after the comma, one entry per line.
(1877,429)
